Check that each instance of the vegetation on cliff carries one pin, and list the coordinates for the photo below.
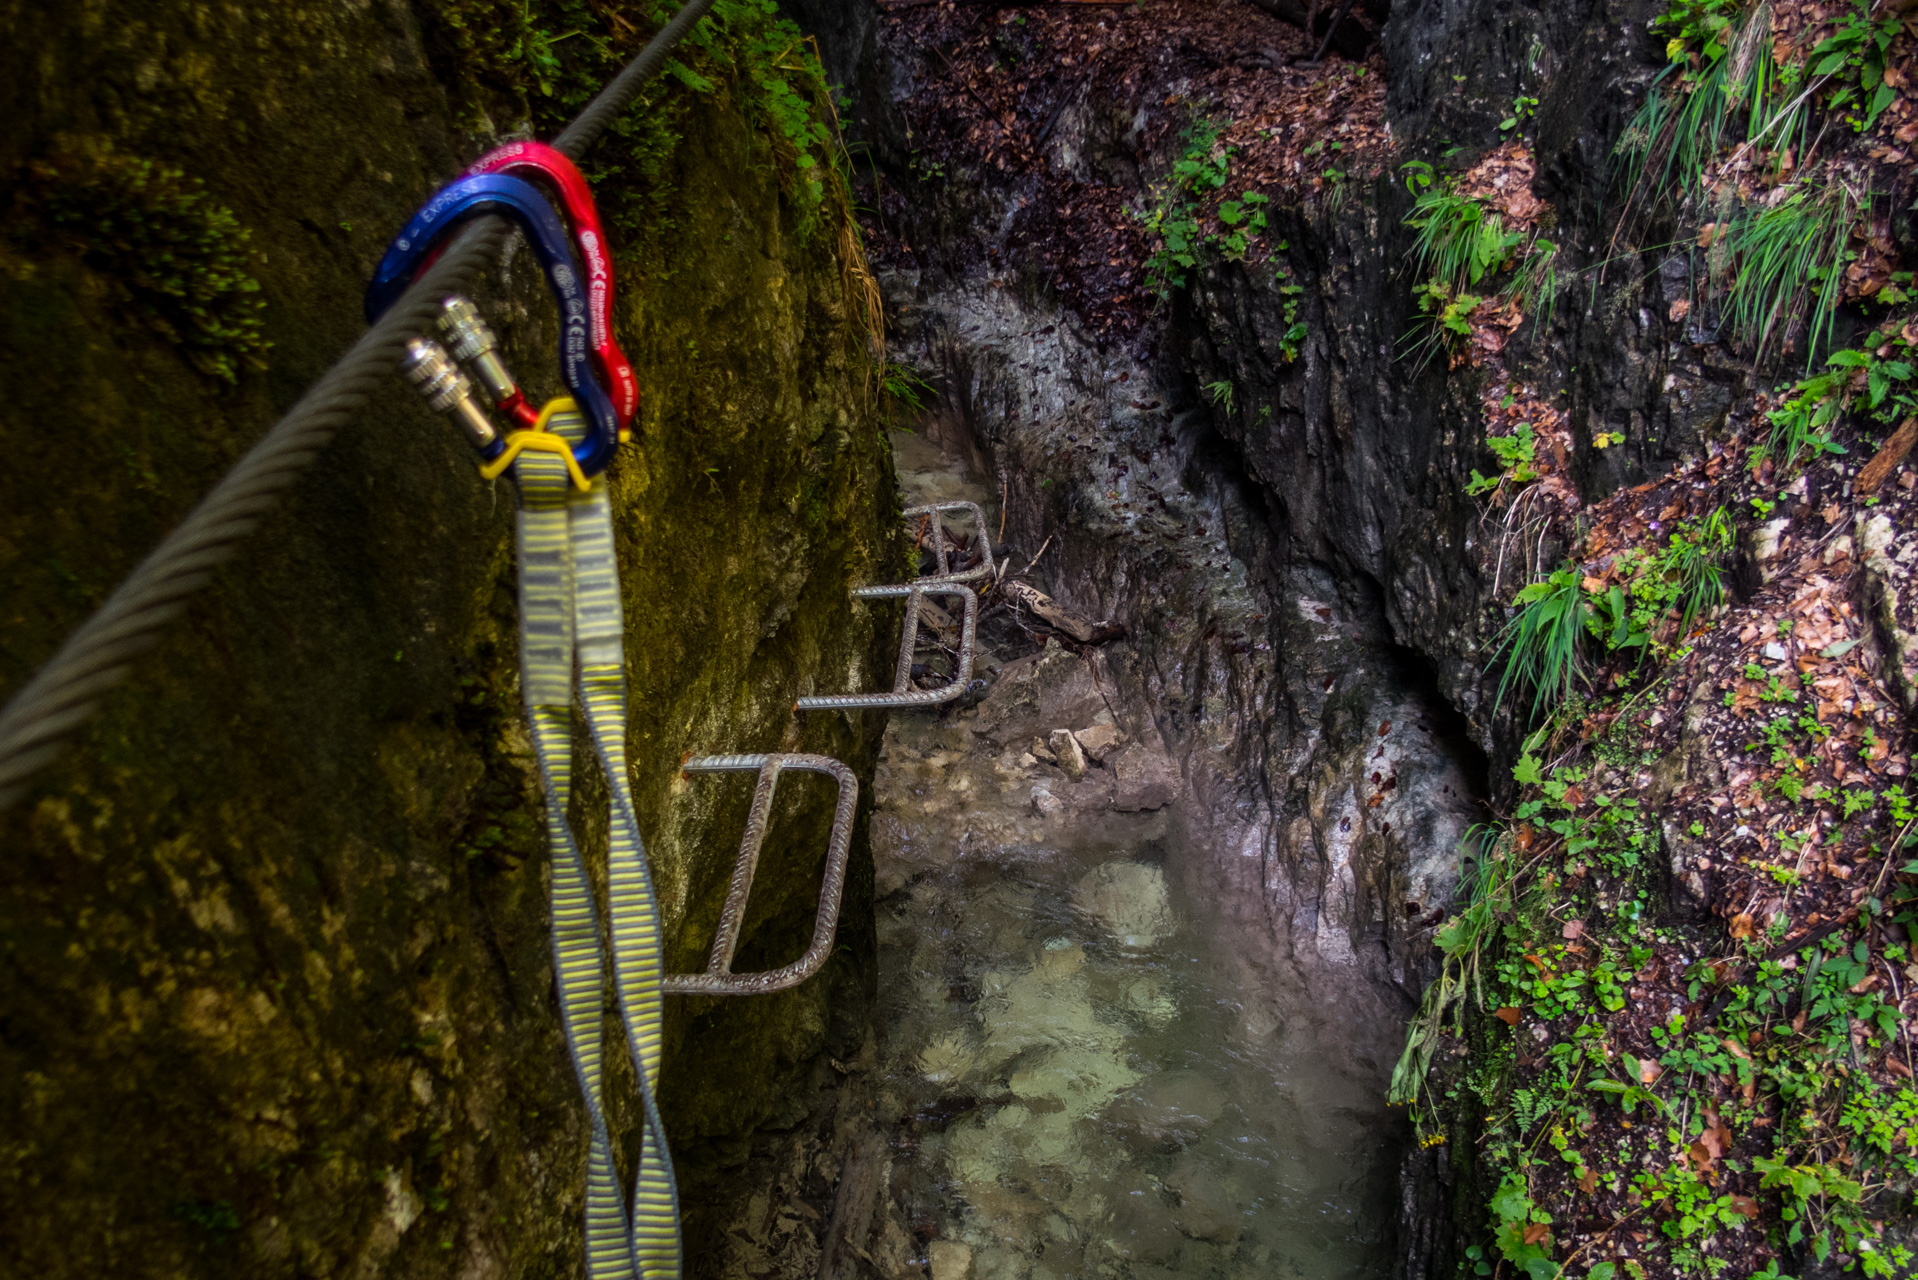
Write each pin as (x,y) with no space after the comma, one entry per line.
(1671,1035)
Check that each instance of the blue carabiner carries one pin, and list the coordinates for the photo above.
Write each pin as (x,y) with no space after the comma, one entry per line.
(522,201)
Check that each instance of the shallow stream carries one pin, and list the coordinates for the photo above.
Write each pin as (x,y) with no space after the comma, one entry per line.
(1092,1064)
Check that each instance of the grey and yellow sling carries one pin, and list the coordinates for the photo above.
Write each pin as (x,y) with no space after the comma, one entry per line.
(572,631)
(572,637)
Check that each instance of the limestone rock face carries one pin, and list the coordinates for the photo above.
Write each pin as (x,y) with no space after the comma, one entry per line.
(277,993)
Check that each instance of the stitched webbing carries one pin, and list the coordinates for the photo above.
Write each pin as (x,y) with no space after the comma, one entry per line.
(569,604)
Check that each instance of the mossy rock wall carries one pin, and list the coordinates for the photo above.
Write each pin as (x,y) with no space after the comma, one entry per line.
(275,988)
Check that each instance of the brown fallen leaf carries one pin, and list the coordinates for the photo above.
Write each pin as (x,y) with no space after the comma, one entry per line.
(1537,1233)
(1649,1071)
(1736,1049)
(1745,1205)
(1510,1014)
(1588,1183)
(1798,1023)
(1741,926)
(1897,1068)
(1573,929)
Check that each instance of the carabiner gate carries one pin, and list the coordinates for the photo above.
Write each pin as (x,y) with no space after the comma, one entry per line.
(576,197)
(521,201)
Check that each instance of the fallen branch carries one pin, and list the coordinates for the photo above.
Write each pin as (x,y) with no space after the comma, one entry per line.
(1060,618)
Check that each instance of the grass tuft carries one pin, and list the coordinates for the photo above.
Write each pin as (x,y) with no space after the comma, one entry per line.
(1541,643)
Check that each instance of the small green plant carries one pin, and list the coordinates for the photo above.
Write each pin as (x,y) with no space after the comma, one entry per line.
(1523,108)
(1786,266)
(1460,239)
(1244,220)
(179,259)
(1220,393)
(1802,427)
(1462,244)
(1292,341)
(1855,56)
(1516,455)
(1197,175)
(905,389)
(1703,26)
(1721,86)
(1685,577)
(1523,1230)
(1535,286)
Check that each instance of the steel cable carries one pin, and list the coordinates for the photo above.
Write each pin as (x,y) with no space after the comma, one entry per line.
(65,693)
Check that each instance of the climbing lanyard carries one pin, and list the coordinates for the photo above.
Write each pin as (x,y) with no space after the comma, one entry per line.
(572,630)
(522,201)
(576,197)
(572,635)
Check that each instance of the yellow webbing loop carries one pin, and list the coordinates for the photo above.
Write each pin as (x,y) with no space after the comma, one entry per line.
(539,438)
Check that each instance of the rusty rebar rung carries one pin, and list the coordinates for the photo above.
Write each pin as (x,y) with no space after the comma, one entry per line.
(903,694)
(719,979)
(985,569)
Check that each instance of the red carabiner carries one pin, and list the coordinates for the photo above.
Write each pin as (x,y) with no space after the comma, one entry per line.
(576,198)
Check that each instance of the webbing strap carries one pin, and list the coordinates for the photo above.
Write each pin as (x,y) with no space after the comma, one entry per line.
(569,605)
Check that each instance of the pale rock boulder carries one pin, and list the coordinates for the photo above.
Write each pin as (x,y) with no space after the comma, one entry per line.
(1129,900)
(1100,741)
(1066,748)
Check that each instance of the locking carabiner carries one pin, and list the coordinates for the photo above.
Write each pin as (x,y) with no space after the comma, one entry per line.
(576,198)
(521,201)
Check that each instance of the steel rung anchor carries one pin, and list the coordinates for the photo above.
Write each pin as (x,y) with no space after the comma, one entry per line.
(903,694)
(984,569)
(719,979)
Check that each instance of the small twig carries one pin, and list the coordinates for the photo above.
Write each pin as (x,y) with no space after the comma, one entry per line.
(1904,1025)
(1035,560)
(1891,853)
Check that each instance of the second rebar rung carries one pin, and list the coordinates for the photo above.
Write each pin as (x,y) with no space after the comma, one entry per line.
(903,694)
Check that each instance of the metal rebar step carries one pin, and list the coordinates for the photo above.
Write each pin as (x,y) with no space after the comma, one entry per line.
(936,530)
(719,979)
(903,694)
